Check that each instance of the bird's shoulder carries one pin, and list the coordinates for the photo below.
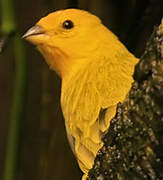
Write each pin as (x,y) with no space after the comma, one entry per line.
(101,84)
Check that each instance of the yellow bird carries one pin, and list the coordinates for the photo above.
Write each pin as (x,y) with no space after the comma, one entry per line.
(96,71)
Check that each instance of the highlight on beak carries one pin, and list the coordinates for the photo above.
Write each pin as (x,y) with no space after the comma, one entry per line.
(35,30)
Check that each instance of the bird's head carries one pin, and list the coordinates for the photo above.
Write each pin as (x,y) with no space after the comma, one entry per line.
(65,37)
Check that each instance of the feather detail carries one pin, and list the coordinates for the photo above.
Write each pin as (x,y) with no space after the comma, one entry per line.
(89,103)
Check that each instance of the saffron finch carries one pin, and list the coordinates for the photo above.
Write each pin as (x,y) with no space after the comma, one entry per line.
(96,71)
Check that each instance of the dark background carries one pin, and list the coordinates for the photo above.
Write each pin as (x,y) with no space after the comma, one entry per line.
(45,153)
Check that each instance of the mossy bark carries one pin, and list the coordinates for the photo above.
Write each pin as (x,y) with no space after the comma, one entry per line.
(133,145)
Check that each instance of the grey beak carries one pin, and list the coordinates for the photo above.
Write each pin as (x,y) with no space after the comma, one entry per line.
(35,30)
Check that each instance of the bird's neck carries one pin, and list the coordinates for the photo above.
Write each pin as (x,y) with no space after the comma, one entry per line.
(58,61)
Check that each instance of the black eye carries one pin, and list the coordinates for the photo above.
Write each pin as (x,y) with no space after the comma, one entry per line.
(68,24)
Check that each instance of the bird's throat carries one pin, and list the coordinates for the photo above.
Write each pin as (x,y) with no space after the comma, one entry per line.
(57,60)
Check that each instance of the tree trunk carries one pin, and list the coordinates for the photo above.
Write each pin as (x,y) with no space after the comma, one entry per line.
(133,146)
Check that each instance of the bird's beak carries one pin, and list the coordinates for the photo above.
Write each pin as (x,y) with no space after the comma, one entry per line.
(34,34)
(35,30)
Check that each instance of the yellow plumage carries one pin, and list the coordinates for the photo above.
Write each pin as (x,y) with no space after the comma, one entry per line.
(96,71)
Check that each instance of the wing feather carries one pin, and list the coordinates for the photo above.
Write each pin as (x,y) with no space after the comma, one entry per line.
(97,88)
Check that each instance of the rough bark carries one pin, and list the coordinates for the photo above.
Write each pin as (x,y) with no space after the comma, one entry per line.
(133,146)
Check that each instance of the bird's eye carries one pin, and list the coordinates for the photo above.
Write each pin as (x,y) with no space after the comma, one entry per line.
(68,24)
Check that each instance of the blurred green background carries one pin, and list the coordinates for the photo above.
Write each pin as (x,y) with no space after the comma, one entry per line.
(43,152)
